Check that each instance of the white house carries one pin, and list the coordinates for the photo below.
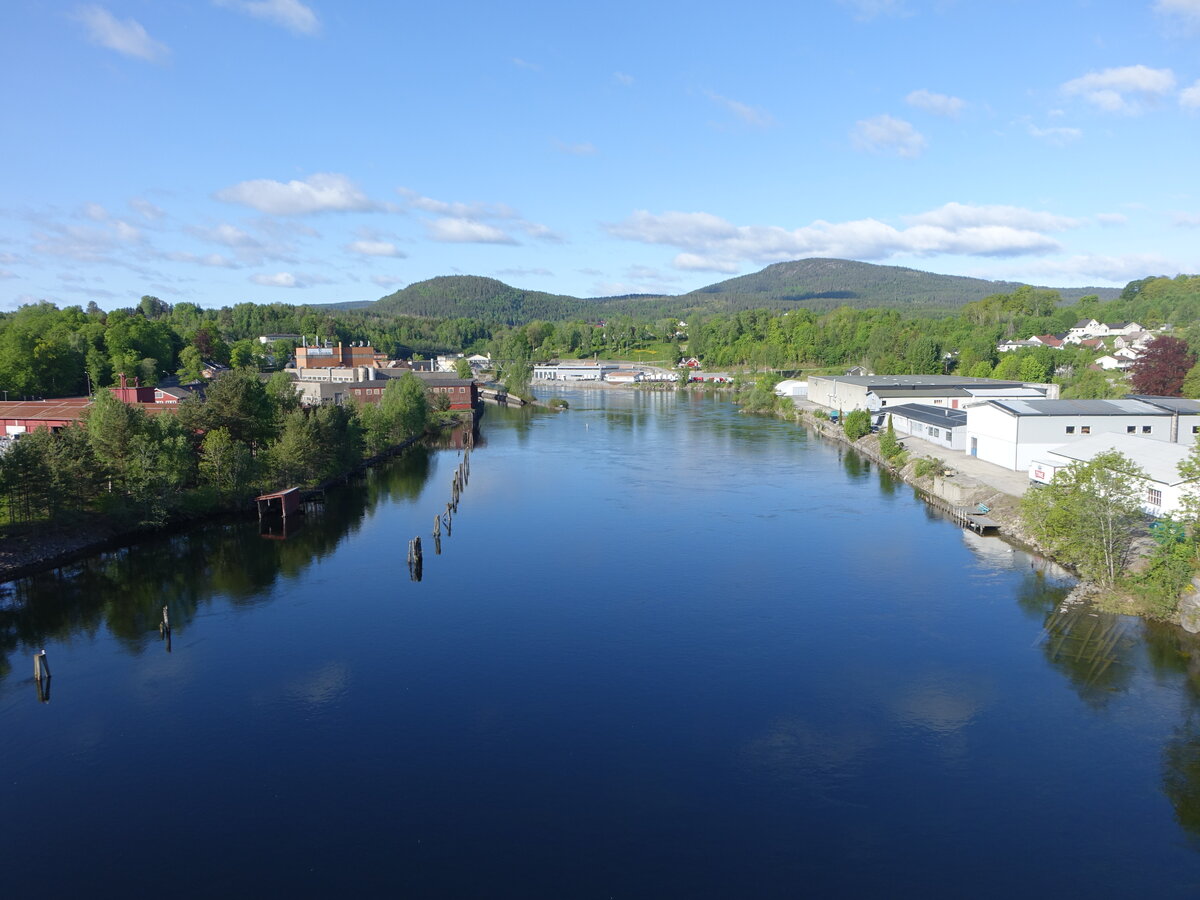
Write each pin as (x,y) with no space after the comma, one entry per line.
(1111,362)
(1013,433)
(1163,489)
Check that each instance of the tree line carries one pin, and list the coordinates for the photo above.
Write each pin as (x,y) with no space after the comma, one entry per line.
(244,436)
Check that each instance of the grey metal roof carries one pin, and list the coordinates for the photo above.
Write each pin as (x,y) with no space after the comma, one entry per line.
(919,391)
(893,381)
(930,415)
(1158,459)
(1181,405)
(1078,408)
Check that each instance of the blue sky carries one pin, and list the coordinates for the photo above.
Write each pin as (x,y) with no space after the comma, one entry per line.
(219,151)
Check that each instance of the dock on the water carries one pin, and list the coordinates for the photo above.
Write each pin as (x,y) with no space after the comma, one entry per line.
(976,521)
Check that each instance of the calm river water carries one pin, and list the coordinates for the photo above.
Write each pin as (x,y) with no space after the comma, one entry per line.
(667,651)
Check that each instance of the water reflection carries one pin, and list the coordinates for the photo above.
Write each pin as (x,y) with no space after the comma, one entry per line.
(124,591)
(1094,650)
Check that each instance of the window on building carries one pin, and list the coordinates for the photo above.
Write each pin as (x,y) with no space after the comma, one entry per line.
(1154,497)
(1070,429)
(1146,429)
(1130,429)
(1085,429)
(1196,429)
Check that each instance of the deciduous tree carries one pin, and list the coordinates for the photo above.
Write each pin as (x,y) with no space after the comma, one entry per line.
(1162,367)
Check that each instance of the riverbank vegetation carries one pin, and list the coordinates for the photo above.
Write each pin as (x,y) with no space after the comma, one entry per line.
(140,470)
(1090,517)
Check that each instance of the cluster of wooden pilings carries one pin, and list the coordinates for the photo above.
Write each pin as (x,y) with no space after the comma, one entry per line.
(443,520)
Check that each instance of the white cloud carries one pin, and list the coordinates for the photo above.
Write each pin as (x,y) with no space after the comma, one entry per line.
(1189,10)
(583,149)
(95,212)
(471,222)
(866,10)
(694,262)
(962,215)
(289,280)
(322,192)
(1111,218)
(525,64)
(1089,267)
(279,279)
(711,243)
(128,37)
(214,260)
(1189,98)
(386,281)
(750,115)
(1186,220)
(1127,89)
(7,273)
(467,231)
(85,242)
(229,235)
(290,14)
(146,209)
(1059,136)
(623,79)
(886,134)
(938,104)
(374,248)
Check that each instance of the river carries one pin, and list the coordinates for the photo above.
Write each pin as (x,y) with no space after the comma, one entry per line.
(667,650)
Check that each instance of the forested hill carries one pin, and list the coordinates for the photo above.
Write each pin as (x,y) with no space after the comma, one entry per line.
(818,284)
(829,283)
(473,297)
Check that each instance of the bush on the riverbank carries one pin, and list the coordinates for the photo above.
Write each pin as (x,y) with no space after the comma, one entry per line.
(857,424)
(1089,515)
(926,466)
(558,403)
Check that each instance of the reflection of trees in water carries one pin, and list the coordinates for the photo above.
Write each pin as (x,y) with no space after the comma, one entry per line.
(1038,597)
(1093,649)
(855,466)
(125,590)
(1172,651)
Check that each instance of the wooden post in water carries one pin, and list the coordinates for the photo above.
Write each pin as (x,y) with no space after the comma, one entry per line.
(41,666)
(437,526)
(164,627)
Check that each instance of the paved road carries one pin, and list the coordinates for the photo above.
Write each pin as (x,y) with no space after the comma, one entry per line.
(1014,483)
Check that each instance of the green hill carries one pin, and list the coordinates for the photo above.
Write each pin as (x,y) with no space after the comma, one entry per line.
(818,284)
(828,283)
(473,297)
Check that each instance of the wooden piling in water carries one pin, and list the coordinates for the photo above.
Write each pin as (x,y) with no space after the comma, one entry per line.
(437,526)
(41,666)
(164,627)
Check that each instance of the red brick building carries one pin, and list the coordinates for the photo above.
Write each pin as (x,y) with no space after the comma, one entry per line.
(360,354)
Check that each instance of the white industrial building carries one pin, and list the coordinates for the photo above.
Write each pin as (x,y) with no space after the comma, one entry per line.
(1013,433)
(583,370)
(1164,488)
(878,392)
(936,424)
